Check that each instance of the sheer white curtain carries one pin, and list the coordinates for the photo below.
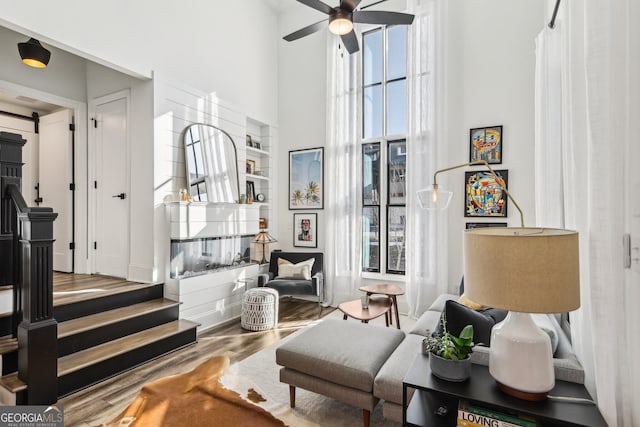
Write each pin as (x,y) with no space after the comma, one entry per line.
(426,253)
(595,105)
(343,215)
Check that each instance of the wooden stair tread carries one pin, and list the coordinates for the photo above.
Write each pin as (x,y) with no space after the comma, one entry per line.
(87,323)
(8,344)
(90,356)
(12,383)
(5,287)
(87,287)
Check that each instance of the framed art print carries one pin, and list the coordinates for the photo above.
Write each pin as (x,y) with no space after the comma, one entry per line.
(484,194)
(306,179)
(305,230)
(486,144)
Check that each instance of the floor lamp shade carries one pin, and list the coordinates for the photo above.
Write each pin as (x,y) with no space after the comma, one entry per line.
(523,270)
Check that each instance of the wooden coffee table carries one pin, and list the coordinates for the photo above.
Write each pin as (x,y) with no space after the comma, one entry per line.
(377,307)
(392,291)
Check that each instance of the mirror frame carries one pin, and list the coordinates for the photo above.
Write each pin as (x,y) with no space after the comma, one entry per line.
(207,164)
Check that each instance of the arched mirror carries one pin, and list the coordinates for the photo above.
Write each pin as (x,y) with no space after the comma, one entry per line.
(212,165)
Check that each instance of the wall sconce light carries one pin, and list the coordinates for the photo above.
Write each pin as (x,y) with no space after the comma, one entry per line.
(34,54)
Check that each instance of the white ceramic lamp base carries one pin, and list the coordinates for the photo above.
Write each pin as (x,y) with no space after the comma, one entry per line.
(520,359)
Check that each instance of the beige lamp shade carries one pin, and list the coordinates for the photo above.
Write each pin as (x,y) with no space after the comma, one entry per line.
(527,270)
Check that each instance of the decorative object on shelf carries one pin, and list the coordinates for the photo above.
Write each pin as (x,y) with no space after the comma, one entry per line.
(243,199)
(449,355)
(536,270)
(305,230)
(34,54)
(250,166)
(264,238)
(306,179)
(484,195)
(260,197)
(342,18)
(249,141)
(472,225)
(251,191)
(257,145)
(262,225)
(486,144)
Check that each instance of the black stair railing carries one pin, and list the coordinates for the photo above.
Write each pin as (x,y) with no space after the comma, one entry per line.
(26,260)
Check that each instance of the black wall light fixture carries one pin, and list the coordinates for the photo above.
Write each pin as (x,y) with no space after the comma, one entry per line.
(33,54)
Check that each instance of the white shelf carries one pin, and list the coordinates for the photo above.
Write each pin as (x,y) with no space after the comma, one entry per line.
(257,151)
(264,178)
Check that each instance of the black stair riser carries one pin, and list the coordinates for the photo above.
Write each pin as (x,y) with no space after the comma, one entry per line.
(6,326)
(99,372)
(9,362)
(85,308)
(81,341)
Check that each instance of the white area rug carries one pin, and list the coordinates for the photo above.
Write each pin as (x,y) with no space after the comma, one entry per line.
(261,373)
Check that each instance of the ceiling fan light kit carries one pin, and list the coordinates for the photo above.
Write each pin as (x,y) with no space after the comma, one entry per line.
(341,20)
(340,23)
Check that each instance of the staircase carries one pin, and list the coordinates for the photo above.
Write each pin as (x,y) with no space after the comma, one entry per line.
(105,326)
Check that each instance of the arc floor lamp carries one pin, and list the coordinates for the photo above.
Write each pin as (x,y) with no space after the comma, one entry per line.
(524,270)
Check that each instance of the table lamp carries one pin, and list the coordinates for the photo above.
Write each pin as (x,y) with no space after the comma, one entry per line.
(264,238)
(524,270)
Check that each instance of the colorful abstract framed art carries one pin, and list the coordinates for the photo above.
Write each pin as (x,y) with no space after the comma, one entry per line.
(484,194)
(486,144)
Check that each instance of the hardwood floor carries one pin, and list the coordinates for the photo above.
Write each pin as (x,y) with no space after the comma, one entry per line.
(103,402)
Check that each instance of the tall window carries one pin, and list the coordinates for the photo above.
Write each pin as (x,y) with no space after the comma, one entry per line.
(384,129)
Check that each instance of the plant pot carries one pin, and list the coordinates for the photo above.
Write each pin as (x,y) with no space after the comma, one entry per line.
(450,370)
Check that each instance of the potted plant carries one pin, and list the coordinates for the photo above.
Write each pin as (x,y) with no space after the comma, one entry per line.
(449,355)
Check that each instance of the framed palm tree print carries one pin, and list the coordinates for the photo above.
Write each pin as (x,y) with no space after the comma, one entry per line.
(306,179)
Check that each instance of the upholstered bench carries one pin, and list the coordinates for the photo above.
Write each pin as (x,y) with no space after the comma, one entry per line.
(259,309)
(339,360)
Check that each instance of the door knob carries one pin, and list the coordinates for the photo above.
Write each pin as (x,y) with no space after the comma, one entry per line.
(121,196)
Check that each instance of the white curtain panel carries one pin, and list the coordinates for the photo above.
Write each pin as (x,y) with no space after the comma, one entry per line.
(343,215)
(595,123)
(426,266)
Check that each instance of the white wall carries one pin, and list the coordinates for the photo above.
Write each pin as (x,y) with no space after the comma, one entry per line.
(227,47)
(490,71)
(491,68)
(302,106)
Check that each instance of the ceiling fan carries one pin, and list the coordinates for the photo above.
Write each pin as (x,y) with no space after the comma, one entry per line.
(342,18)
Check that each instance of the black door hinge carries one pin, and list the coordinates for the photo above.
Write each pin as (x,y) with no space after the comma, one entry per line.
(72,246)
(95,184)
(72,187)
(95,122)
(72,127)
(95,245)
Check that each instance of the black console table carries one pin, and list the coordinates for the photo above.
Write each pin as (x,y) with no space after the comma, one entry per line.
(435,401)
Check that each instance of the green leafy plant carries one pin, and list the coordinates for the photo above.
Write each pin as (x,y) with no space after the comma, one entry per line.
(448,346)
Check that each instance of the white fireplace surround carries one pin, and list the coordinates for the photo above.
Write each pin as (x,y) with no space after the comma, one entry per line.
(213,298)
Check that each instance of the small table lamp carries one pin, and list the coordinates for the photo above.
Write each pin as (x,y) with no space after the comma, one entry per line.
(523,270)
(264,238)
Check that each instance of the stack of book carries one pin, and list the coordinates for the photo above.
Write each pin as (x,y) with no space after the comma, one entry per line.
(470,415)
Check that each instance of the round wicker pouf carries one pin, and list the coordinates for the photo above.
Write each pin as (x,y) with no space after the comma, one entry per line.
(259,309)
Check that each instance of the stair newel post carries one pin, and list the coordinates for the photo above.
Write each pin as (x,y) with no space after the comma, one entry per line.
(38,331)
(10,174)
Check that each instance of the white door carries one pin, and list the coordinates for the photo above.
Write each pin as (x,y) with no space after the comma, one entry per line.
(56,178)
(29,154)
(111,186)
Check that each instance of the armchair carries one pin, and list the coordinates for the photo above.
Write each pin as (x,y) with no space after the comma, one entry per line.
(291,286)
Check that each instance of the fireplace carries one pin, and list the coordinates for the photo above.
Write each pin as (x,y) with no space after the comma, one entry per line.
(193,257)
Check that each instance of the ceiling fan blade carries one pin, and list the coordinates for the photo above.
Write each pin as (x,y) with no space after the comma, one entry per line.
(350,42)
(318,5)
(349,5)
(306,31)
(381,17)
(372,4)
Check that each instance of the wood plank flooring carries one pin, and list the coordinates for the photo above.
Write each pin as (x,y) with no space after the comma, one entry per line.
(103,402)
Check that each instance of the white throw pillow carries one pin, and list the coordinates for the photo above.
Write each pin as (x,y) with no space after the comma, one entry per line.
(301,270)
